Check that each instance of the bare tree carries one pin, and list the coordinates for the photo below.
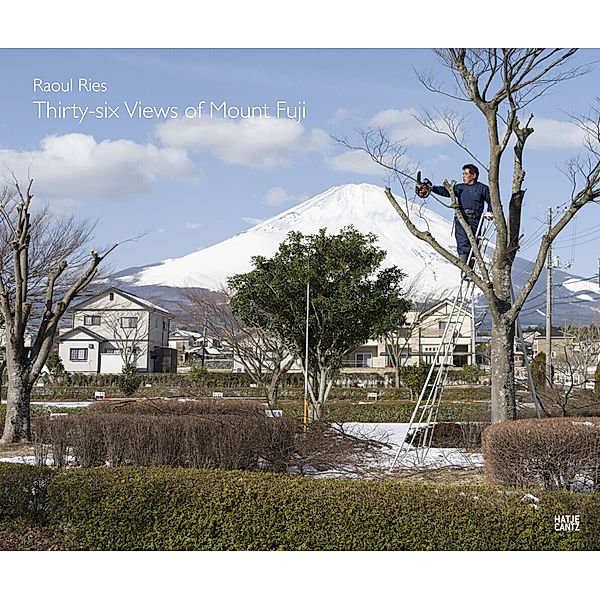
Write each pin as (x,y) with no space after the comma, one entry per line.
(397,341)
(41,271)
(264,356)
(500,83)
(129,333)
(573,368)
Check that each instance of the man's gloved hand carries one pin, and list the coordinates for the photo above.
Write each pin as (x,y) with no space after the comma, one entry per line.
(488,215)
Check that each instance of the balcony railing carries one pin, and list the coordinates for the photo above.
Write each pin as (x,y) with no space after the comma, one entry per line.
(363,363)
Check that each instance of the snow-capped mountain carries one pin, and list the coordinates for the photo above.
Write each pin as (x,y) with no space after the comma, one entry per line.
(364,206)
(367,208)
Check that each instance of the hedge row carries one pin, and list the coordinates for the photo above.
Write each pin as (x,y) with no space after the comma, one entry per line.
(210,433)
(559,453)
(389,412)
(42,411)
(233,380)
(342,412)
(290,393)
(182,509)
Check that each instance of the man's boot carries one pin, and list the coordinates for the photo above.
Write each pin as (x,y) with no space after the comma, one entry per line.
(463,259)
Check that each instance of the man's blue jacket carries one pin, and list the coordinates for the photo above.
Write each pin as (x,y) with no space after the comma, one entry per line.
(471,198)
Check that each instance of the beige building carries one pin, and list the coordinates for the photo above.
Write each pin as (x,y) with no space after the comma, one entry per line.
(419,340)
(574,357)
(114,328)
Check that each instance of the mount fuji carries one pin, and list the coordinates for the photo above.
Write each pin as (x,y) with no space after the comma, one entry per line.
(367,208)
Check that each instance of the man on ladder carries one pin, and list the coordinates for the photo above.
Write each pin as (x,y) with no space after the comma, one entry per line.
(472,197)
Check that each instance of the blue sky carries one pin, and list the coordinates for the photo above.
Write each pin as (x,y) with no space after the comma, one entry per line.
(190,183)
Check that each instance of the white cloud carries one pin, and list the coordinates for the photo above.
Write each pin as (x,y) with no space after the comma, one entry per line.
(356,161)
(549,133)
(254,142)
(192,225)
(252,220)
(277,196)
(76,165)
(343,114)
(403,125)
(58,206)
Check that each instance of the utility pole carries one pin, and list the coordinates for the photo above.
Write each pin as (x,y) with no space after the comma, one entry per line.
(204,342)
(305,420)
(553,263)
(473,332)
(549,307)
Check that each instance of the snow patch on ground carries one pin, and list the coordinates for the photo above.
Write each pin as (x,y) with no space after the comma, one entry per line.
(394,434)
(62,404)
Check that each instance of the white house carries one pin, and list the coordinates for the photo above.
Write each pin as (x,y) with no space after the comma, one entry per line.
(117,327)
(419,340)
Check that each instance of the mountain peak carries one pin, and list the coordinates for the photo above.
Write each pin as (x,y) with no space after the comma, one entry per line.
(366,207)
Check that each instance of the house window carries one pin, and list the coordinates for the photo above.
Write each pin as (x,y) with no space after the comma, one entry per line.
(442,324)
(91,320)
(78,354)
(363,359)
(128,322)
(111,296)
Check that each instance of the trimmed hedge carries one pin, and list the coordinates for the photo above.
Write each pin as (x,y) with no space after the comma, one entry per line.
(43,411)
(389,412)
(156,508)
(179,509)
(557,453)
(23,491)
(208,433)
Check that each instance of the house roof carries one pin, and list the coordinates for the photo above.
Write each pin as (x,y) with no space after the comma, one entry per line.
(182,333)
(207,350)
(129,296)
(85,330)
(437,305)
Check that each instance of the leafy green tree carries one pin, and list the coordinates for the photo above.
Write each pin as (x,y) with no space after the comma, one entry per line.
(414,377)
(538,370)
(470,373)
(129,380)
(56,368)
(352,299)
(197,375)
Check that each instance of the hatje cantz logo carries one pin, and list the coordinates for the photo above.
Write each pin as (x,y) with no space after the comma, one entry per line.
(566,522)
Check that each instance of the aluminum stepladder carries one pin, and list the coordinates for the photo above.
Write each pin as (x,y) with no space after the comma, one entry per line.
(420,432)
(420,429)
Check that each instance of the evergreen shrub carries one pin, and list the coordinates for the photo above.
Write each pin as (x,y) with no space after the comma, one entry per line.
(184,509)
(389,412)
(129,381)
(23,491)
